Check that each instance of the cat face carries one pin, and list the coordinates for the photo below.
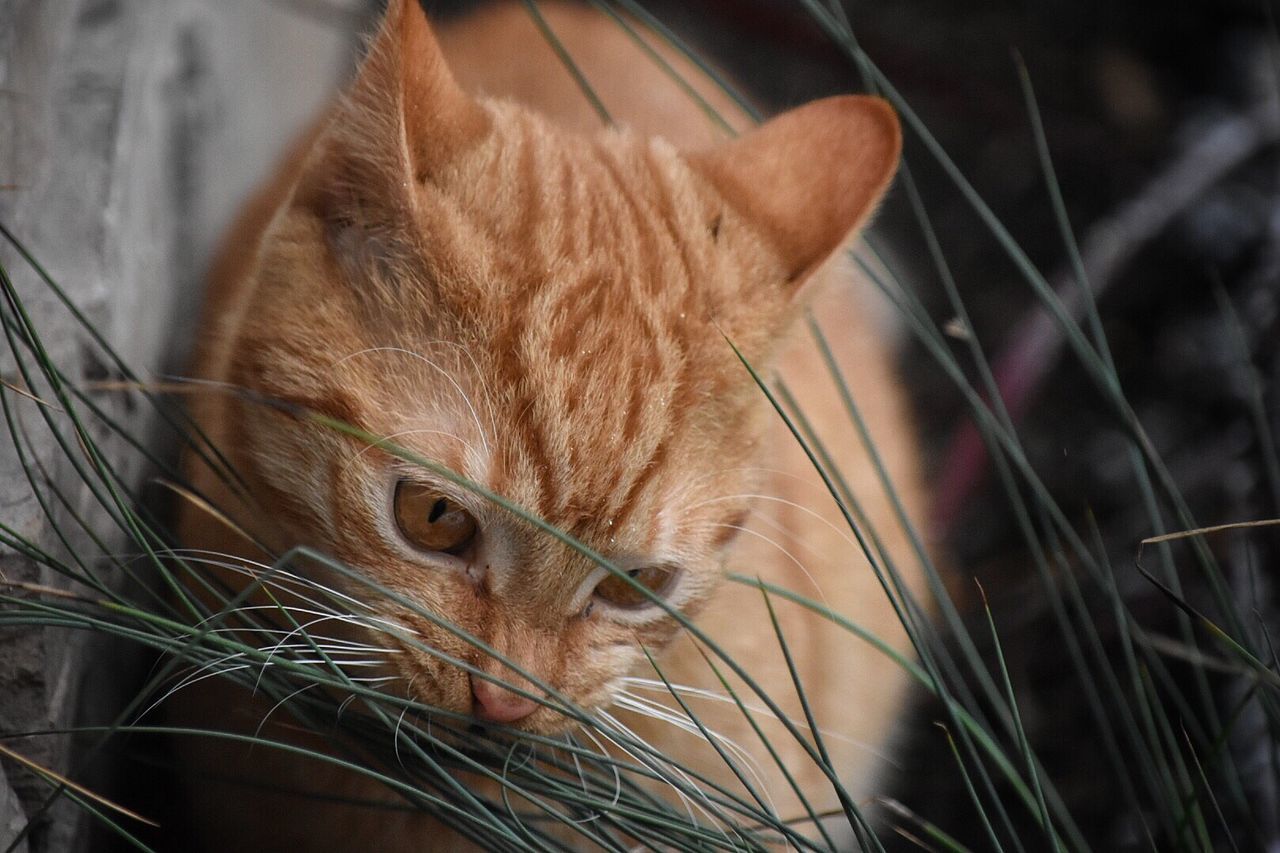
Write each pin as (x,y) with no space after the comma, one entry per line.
(548,316)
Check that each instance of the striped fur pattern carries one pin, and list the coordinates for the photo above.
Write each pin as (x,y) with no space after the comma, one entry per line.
(548,313)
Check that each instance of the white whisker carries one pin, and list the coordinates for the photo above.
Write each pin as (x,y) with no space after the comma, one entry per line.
(849,540)
(301,629)
(822,596)
(320,661)
(375,680)
(258,731)
(386,626)
(395,735)
(269,576)
(342,706)
(193,678)
(689,803)
(736,753)
(657,686)
(617,774)
(334,645)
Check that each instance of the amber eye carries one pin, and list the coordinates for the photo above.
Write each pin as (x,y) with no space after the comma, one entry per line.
(432,521)
(619,593)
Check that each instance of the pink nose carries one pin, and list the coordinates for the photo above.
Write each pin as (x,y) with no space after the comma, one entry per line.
(498,704)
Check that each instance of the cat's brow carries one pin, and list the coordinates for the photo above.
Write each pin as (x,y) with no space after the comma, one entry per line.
(462,395)
(401,434)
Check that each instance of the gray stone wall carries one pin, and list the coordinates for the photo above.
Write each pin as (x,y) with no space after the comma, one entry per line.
(129,132)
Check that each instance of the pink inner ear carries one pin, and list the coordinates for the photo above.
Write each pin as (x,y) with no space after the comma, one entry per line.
(810,177)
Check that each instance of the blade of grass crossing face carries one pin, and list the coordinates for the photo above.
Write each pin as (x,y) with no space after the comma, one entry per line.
(538,523)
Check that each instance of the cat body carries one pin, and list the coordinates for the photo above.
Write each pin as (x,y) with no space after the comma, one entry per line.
(462,258)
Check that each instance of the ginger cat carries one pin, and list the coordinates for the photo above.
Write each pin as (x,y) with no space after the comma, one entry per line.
(464,259)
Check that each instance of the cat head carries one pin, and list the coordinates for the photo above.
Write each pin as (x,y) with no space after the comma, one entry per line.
(549,315)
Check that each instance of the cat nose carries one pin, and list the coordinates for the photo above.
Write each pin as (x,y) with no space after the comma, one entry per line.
(497,704)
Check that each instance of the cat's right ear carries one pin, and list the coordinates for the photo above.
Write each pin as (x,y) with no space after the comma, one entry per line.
(809,178)
(402,121)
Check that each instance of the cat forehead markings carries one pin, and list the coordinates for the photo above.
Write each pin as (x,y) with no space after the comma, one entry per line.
(573,272)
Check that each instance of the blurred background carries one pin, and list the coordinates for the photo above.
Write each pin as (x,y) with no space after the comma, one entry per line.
(1162,122)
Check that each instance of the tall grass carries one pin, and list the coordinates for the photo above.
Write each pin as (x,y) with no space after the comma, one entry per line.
(1163,708)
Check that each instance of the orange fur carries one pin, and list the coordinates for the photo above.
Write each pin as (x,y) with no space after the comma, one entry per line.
(542,305)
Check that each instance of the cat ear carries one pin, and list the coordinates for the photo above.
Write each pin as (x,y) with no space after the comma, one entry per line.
(404,118)
(438,118)
(809,178)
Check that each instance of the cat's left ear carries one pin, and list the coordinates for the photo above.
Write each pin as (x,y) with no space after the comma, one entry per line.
(809,178)
(404,118)
(438,119)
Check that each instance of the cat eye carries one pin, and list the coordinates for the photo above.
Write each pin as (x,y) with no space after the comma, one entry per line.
(617,592)
(432,521)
